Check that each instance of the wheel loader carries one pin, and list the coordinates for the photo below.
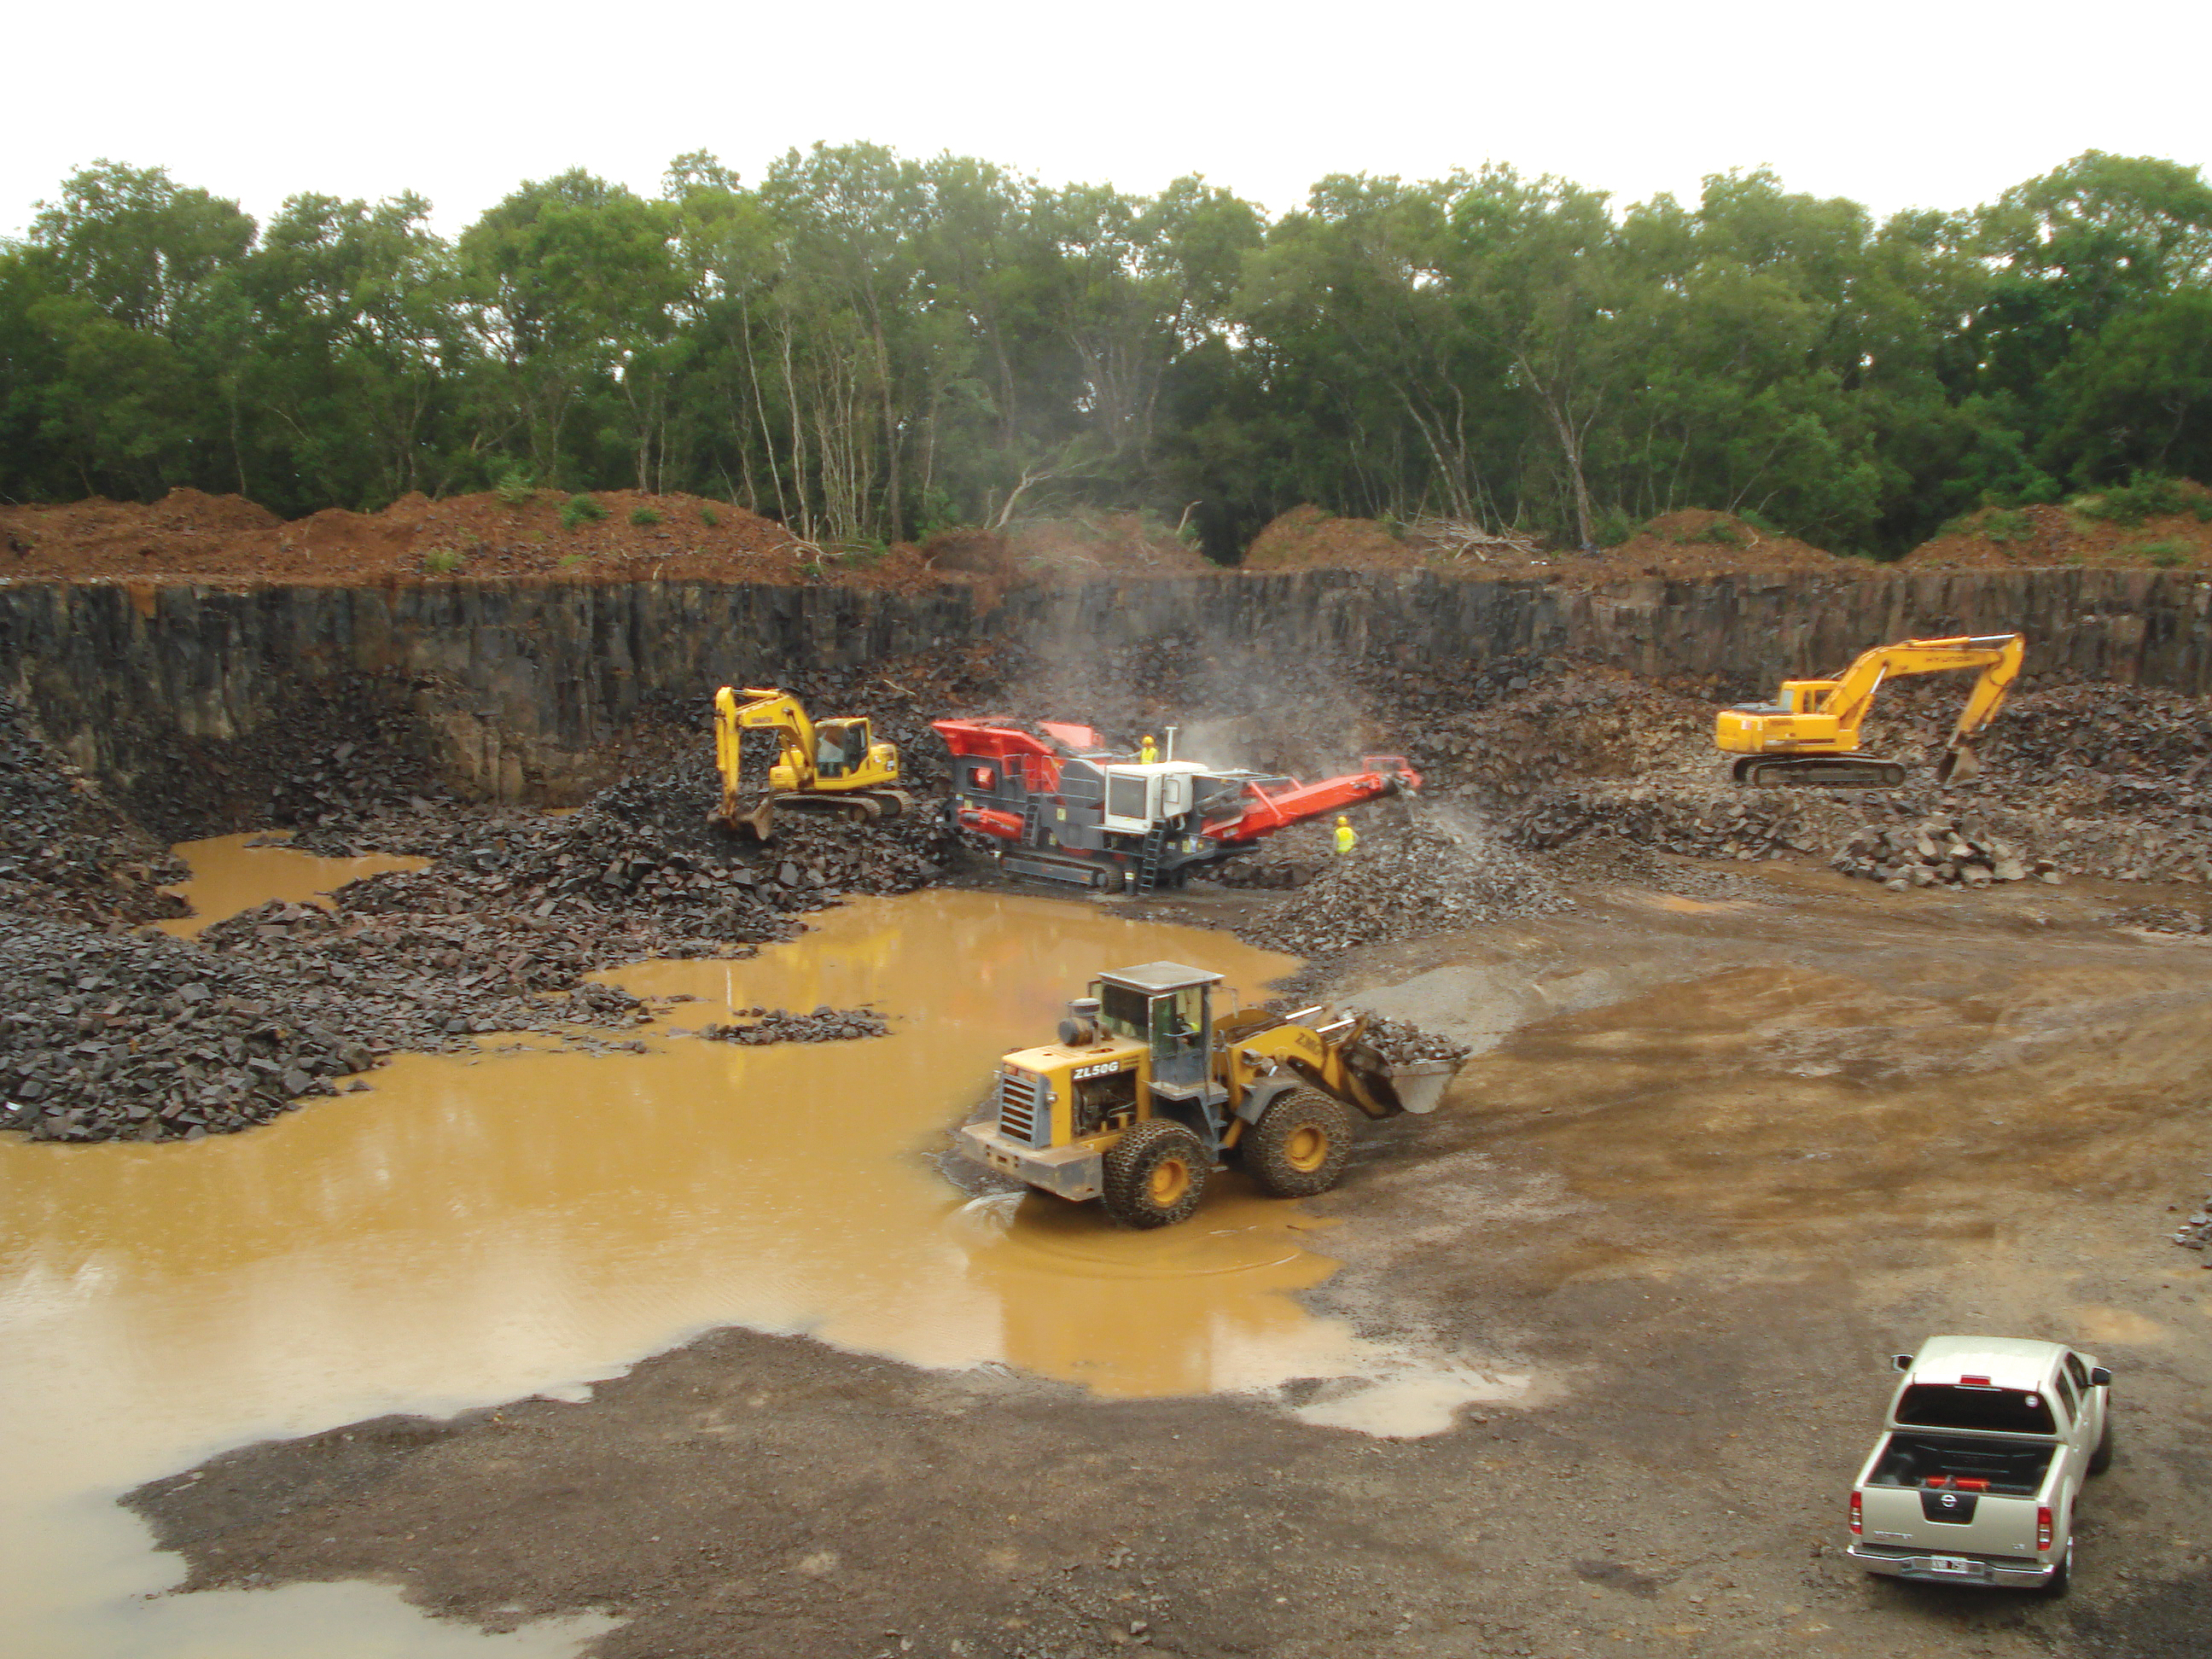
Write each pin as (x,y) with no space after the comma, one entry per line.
(829,766)
(1147,1093)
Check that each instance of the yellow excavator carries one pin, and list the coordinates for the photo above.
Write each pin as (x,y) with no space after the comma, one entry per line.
(1809,734)
(1150,1089)
(822,766)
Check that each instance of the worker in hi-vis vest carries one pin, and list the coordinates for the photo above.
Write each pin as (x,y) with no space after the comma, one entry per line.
(1347,836)
(1147,752)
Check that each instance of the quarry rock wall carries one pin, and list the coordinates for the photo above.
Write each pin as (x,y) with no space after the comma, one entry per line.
(528,684)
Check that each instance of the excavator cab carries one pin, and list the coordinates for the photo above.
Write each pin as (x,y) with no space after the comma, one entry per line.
(1796,720)
(839,746)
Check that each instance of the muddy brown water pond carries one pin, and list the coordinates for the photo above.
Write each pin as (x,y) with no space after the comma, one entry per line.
(231,874)
(480,1228)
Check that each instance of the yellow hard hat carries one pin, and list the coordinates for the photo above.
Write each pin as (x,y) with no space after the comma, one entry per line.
(1148,738)
(1341,819)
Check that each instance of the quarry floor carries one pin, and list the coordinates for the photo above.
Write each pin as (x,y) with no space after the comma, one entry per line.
(1714,1161)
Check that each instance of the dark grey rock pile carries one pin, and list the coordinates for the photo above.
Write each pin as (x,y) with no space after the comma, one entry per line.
(140,1036)
(2065,730)
(329,763)
(1943,851)
(64,849)
(1502,732)
(825,1024)
(1433,877)
(1707,824)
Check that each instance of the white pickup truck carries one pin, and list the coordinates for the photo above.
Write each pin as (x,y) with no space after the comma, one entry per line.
(1986,1445)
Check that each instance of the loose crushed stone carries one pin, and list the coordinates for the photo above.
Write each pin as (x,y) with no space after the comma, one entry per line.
(825,1024)
(1400,1042)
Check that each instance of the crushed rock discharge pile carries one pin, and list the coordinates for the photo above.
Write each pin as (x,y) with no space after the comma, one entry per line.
(1430,878)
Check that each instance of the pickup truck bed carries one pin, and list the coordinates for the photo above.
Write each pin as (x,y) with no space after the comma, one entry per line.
(1939,1462)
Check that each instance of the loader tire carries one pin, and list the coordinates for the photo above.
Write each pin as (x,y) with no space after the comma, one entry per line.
(1155,1175)
(1298,1147)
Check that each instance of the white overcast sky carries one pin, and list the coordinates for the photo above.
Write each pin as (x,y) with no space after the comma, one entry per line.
(1930,103)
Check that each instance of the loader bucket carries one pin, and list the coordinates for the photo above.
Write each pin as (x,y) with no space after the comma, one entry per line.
(1380,1089)
(1421,1083)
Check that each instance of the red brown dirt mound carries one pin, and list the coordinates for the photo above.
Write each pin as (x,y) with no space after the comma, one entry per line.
(188,536)
(1308,538)
(1696,542)
(2006,538)
(1685,545)
(1065,549)
(225,539)
(1117,546)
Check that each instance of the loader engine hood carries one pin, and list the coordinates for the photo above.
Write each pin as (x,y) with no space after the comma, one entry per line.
(1112,1054)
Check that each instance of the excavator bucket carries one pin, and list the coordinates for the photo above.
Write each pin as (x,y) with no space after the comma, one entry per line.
(1959,762)
(755,822)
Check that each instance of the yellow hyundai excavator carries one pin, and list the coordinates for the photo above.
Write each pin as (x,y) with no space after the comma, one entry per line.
(825,766)
(1809,734)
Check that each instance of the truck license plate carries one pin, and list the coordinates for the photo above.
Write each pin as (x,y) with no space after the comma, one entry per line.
(1954,1564)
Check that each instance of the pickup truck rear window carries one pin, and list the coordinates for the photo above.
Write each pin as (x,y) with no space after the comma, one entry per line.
(2000,1411)
(1936,1460)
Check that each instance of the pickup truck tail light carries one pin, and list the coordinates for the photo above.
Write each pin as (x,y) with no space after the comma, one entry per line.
(1858,1516)
(2043,1526)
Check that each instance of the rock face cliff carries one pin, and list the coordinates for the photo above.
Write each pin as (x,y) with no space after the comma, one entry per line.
(525,686)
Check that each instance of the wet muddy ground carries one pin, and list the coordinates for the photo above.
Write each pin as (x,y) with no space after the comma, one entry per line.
(1715,1160)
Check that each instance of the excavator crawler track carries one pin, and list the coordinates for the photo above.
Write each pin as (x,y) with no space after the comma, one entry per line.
(1818,772)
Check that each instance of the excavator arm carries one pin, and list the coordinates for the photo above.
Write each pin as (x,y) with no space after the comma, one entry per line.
(770,710)
(1997,655)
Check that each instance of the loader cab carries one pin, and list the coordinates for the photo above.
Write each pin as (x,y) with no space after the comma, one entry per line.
(1169,1009)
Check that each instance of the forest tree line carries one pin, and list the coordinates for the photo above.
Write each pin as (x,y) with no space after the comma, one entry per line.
(867,348)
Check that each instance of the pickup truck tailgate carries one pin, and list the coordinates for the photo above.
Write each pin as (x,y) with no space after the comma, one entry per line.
(1943,1522)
